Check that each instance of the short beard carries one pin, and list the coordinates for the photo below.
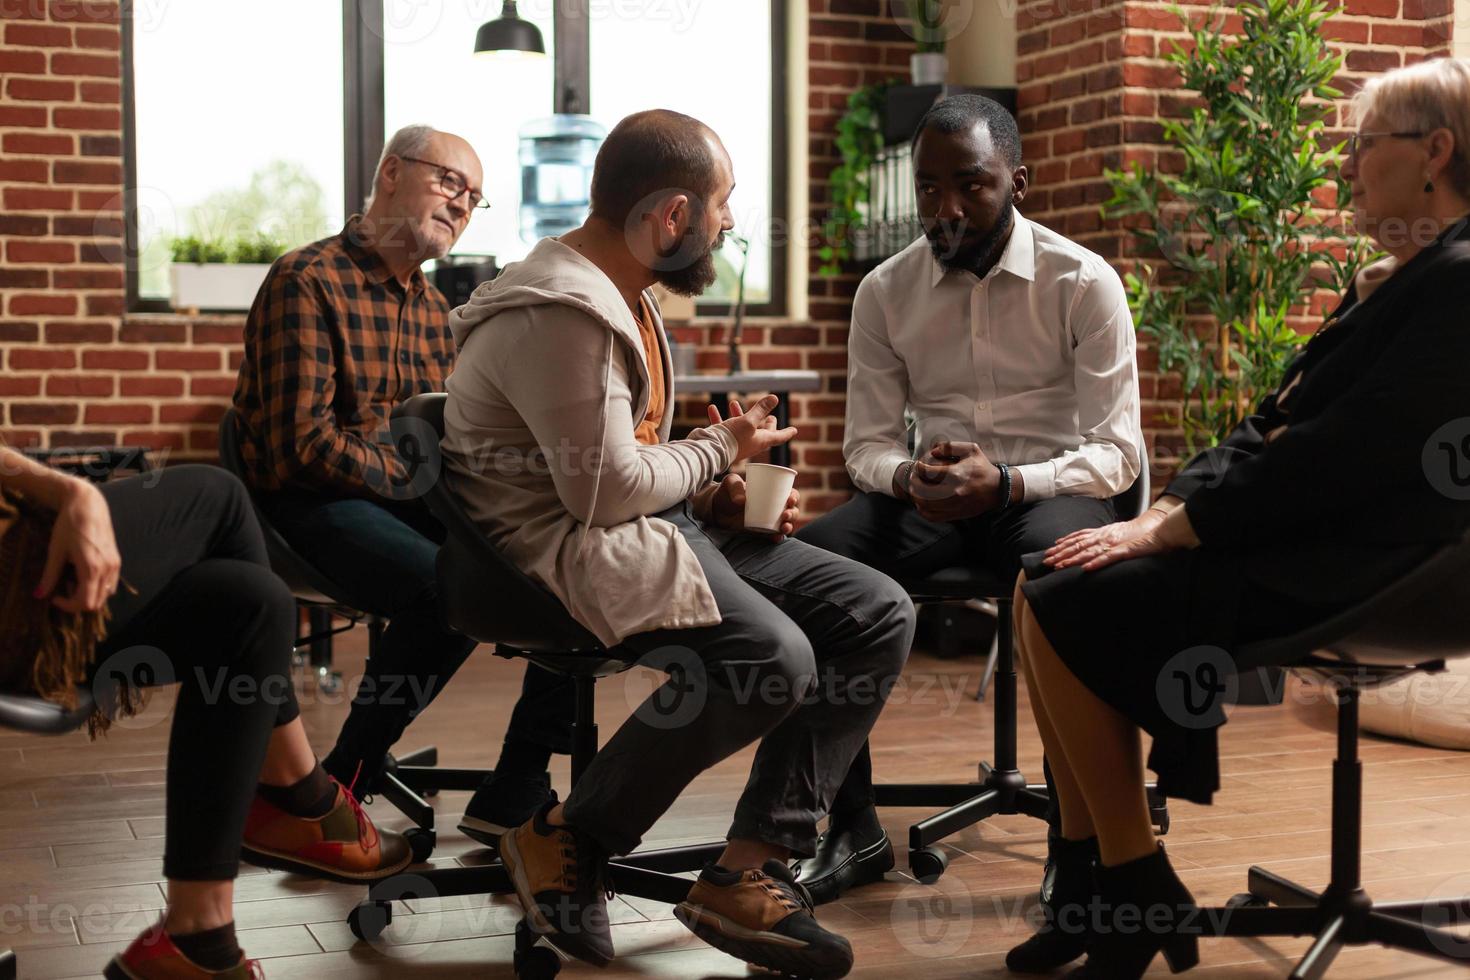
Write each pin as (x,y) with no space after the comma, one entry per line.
(695,277)
(968,257)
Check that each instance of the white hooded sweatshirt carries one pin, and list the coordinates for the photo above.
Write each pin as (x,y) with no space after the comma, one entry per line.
(547,390)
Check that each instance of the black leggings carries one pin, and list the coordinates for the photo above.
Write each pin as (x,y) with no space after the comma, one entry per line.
(211,616)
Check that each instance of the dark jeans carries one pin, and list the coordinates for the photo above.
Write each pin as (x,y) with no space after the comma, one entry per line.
(889,534)
(208,614)
(382,554)
(806,653)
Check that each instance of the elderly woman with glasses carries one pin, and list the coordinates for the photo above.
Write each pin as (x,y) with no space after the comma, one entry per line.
(1321,498)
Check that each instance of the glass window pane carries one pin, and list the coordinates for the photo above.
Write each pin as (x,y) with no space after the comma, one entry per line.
(712,61)
(238,125)
(432,76)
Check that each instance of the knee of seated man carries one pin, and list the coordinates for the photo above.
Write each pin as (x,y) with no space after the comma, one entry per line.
(789,671)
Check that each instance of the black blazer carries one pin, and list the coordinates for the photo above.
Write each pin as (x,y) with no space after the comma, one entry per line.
(1365,481)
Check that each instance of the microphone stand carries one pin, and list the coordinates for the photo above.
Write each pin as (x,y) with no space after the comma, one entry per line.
(744,245)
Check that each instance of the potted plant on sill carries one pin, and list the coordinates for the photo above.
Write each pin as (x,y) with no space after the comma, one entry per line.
(928,65)
(211,275)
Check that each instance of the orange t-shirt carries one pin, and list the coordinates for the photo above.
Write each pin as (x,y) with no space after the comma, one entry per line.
(647,430)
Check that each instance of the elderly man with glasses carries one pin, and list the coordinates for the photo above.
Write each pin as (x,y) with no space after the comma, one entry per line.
(343,330)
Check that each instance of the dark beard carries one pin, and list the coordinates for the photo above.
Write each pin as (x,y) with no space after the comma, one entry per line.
(697,275)
(968,257)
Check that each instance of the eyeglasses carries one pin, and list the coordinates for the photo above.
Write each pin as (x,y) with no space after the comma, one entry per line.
(1363,141)
(452,183)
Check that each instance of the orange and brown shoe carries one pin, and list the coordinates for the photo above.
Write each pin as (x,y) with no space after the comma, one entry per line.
(343,845)
(560,877)
(153,956)
(764,917)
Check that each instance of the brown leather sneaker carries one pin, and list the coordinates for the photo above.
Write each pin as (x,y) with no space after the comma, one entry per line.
(764,917)
(560,876)
(341,846)
(153,956)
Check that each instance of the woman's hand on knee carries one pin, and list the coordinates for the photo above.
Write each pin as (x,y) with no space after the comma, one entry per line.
(83,540)
(1098,547)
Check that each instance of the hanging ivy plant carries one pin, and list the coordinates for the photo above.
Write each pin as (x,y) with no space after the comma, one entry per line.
(859,138)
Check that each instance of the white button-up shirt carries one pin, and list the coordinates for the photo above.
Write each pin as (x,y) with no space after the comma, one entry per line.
(1035,363)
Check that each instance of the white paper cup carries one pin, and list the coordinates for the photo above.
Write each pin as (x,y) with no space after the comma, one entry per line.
(767,488)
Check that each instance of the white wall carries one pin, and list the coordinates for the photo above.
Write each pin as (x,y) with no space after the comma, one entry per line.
(983,49)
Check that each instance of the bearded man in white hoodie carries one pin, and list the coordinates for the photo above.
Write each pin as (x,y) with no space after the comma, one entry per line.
(557,441)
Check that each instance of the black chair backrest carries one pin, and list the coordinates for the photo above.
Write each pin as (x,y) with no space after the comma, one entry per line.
(300,576)
(482,593)
(1136,499)
(1423,617)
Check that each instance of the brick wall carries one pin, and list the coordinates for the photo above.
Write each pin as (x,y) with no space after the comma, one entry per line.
(1093,85)
(77,369)
(61,229)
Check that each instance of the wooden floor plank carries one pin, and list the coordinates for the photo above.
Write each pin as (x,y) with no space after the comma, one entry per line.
(83,826)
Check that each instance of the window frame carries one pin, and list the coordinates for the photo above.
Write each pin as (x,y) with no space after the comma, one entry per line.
(363,137)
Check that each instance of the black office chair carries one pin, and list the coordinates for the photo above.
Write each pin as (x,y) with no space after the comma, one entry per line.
(1002,789)
(26,713)
(1411,625)
(402,782)
(485,596)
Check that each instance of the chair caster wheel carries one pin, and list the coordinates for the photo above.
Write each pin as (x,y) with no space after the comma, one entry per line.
(421,842)
(7,965)
(928,864)
(1245,900)
(368,920)
(1158,811)
(534,960)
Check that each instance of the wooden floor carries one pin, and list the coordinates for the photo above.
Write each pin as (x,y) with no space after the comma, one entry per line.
(81,829)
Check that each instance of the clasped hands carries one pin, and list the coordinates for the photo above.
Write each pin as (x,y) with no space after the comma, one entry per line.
(953,481)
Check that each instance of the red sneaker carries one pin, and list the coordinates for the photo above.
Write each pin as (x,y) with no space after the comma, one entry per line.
(153,956)
(342,846)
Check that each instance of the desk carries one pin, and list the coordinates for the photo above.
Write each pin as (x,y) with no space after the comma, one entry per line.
(720,387)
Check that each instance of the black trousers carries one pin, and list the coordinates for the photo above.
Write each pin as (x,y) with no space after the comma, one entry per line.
(383,553)
(889,535)
(210,616)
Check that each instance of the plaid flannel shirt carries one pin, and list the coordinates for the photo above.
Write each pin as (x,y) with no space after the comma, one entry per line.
(332,344)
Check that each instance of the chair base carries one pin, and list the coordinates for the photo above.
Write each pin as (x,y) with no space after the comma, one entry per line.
(655,874)
(1000,792)
(1342,914)
(1275,906)
(1002,789)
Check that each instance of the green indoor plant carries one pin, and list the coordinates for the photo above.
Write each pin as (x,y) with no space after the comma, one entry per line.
(1236,240)
(928,65)
(220,275)
(859,138)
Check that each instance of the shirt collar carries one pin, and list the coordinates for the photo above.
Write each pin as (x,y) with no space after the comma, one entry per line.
(370,262)
(1019,257)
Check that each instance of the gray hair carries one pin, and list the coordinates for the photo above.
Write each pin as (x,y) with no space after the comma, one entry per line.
(410,141)
(1423,97)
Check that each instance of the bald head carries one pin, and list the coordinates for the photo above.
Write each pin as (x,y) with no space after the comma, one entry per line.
(652,152)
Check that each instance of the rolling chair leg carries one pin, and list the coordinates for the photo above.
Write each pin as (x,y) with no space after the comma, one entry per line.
(1342,914)
(1002,789)
(655,874)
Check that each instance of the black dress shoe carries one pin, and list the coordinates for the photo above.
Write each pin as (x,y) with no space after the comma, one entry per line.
(842,862)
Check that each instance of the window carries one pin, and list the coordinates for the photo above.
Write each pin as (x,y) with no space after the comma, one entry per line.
(431,76)
(236,126)
(716,62)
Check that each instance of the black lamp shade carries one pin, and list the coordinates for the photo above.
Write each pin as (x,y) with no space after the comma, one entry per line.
(509,33)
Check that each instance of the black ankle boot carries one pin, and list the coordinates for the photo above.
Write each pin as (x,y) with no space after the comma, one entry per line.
(1068,910)
(1143,909)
